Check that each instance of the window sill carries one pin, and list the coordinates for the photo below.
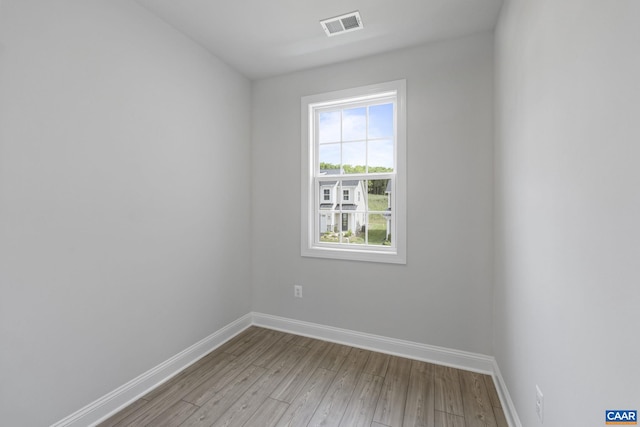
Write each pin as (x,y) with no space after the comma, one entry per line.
(390,256)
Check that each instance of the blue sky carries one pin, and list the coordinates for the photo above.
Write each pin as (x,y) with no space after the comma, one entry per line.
(352,125)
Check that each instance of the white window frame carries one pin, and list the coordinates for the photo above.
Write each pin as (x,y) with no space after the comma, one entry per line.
(310,245)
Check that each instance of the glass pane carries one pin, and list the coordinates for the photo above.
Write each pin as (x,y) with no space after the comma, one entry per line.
(355,231)
(353,195)
(378,232)
(326,194)
(329,127)
(329,156)
(354,157)
(354,124)
(381,156)
(357,193)
(379,195)
(381,121)
(328,227)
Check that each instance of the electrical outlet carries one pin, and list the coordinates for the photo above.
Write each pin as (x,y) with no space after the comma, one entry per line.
(297,291)
(539,404)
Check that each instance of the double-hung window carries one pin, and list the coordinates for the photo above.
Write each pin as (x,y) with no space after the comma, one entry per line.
(354,147)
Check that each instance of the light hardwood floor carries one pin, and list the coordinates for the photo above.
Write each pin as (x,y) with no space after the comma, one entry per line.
(267,378)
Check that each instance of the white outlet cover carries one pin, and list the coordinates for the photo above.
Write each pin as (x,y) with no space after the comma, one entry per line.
(539,404)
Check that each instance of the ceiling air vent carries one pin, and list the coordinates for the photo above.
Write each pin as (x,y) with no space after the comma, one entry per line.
(342,24)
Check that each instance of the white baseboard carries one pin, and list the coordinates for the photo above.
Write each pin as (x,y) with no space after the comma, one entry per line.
(121,397)
(440,355)
(126,394)
(508,407)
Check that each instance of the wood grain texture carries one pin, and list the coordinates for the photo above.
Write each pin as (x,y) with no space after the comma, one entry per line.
(448,397)
(263,378)
(335,400)
(335,356)
(304,405)
(291,385)
(244,408)
(478,411)
(267,414)
(491,389)
(420,408)
(444,419)
(267,358)
(174,415)
(176,389)
(501,420)
(303,341)
(225,398)
(391,405)
(243,338)
(191,377)
(360,411)
(377,364)
(214,383)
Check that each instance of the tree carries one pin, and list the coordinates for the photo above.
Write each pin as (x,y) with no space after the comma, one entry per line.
(378,186)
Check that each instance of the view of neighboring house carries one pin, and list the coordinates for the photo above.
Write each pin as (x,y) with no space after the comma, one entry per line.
(342,208)
(387,191)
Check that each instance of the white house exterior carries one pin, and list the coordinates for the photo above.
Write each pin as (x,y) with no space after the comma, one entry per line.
(388,216)
(342,207)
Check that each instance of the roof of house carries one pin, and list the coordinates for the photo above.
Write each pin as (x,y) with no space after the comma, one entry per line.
(330,171)
(344,207)
(345,183)
(347,207)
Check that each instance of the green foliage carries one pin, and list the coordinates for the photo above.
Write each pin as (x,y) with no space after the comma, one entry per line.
(376,236)
(349,169)
(328,166)
(377,202)
(378,186)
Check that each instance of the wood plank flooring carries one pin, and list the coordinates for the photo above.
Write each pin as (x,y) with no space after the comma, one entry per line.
(264,378)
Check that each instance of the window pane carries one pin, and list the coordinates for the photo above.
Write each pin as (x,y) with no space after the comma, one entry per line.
(326,191)
(381,156)
(351,226)
(378,232)
(328,228)
(329,127)
(329,156)
(353,193)
(358,237)
(355,235)
(381,121)
(354,157)
(378,194)
(354,124)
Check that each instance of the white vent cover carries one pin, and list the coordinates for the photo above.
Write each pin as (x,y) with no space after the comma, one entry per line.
(342,24)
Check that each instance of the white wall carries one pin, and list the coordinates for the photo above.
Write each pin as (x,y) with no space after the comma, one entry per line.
(119,244)
(443,296)
(567,207)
